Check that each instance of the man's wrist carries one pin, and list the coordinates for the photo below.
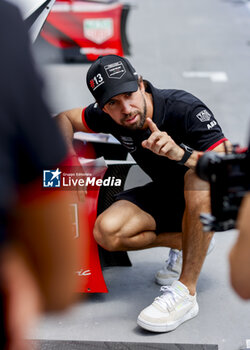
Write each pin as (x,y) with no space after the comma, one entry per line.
(181,154)
(186,155)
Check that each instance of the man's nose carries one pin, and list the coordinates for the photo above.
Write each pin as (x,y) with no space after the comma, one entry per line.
(126,108)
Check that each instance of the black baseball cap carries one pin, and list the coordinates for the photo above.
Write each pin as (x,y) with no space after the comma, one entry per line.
(109,76)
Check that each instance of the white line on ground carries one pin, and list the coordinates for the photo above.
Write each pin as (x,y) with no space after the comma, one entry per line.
(216,77)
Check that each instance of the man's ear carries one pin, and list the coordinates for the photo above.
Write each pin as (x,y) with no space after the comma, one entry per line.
(141,86)
(104,109)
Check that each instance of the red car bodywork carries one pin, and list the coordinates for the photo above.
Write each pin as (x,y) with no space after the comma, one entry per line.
(84,30)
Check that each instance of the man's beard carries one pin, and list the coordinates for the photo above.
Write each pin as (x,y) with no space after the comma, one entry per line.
(142,118)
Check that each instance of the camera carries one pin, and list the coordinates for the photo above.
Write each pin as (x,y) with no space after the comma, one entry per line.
(228,175)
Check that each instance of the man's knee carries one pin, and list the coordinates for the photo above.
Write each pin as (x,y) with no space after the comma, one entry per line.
(116,228)
(106,232)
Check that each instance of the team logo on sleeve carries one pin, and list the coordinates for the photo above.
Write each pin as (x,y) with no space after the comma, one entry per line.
(204,116)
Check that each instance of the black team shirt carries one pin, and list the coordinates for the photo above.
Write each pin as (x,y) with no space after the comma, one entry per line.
(183,116)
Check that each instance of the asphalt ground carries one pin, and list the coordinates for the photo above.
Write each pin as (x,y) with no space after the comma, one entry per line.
(202,47)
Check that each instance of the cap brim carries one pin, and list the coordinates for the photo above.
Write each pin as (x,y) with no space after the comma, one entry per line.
(130,86)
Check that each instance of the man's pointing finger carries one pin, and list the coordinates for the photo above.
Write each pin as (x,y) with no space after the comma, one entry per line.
(152,126)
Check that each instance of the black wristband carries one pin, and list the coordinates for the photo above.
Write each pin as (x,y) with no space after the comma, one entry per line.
(187,153)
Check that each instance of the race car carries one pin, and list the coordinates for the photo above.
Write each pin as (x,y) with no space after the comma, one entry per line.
(80,31)
(34,13)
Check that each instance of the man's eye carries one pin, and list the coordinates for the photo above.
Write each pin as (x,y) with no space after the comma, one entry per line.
(128,94)
(111,103)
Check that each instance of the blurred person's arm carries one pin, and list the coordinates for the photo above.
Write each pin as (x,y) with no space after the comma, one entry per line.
(37,264)
(41,228)
(239,257)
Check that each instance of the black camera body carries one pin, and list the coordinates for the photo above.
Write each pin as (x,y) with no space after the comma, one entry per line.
(228,175)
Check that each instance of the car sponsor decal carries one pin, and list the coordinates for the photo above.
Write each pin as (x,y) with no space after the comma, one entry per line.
(98,30)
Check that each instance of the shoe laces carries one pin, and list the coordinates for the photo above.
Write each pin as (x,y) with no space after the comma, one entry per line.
(169,297)
(172,258)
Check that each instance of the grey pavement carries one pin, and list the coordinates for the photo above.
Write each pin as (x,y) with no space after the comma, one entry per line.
(170,40)
(223,318)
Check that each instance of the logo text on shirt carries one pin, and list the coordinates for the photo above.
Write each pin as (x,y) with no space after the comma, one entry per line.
(211,124)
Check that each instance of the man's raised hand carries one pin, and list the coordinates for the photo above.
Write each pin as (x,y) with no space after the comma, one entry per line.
(161,143)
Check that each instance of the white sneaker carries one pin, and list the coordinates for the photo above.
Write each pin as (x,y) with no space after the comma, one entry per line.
(169,310)
(172,269)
